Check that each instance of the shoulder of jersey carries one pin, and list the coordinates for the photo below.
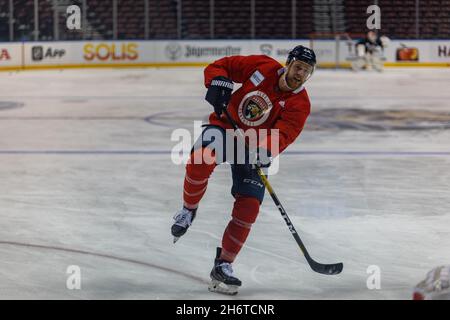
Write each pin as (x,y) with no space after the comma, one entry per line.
(263,59)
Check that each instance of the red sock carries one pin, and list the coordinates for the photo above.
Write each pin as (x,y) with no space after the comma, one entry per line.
(244,214)
(198,170)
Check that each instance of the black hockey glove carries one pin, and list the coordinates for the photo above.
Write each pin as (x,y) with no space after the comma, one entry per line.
(219,93)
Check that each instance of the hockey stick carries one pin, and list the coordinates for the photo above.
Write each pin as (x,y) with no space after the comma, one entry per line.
(328,269)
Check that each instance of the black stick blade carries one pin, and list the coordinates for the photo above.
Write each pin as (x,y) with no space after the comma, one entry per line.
(328,269)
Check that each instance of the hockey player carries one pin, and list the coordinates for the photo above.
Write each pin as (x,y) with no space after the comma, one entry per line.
(369,52)
(271,97)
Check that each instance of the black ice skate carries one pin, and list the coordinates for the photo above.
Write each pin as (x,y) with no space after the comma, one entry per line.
(222,280)
(183,220)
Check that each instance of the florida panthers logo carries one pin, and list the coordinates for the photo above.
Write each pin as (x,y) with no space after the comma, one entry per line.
(254,108)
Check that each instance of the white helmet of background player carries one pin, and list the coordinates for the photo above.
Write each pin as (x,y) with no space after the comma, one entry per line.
(300,66)
(436,285)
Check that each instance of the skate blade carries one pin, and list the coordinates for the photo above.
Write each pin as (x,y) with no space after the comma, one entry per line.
(175,239)
(220,287)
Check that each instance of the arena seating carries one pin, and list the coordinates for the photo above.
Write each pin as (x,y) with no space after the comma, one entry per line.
(232,19)
(4,21)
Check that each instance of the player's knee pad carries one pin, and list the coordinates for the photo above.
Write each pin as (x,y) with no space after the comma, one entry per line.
(245,210)
(360,50)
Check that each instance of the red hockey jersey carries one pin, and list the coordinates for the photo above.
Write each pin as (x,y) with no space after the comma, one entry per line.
(259,103)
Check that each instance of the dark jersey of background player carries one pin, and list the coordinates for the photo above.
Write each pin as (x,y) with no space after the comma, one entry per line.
(371,42)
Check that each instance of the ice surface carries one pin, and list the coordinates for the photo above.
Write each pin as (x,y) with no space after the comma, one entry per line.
(87,180)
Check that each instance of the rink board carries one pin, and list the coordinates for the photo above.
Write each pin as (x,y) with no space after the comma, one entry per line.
(163,53)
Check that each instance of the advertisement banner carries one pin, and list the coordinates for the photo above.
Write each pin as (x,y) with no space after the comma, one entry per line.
(122,52)
(398,52)
(82,53)
(209,51)
(277,49)
(197,51)
(440,50)
(10,55)
(66,54)
(50,53)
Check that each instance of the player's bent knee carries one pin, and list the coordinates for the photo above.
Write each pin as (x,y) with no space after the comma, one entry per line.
(203,155)
(199,168)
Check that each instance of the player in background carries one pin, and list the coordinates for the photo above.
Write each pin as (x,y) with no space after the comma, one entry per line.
(271,97)
(369,52)
(436,285)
